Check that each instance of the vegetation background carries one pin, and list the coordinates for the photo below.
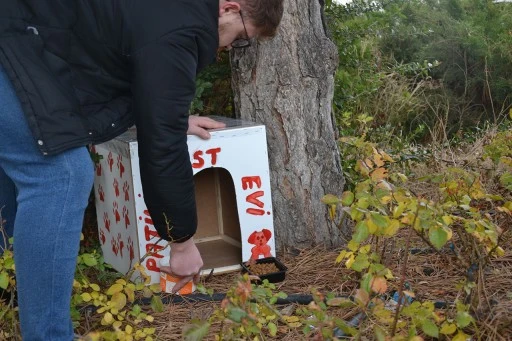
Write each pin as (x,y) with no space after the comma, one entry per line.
(410,65)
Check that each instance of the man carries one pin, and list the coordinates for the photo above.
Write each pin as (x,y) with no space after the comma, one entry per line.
(76,72)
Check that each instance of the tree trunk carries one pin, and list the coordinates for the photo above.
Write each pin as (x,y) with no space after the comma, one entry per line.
(287,84)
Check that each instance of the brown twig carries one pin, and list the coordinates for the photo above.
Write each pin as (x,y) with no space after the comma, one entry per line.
(403,273)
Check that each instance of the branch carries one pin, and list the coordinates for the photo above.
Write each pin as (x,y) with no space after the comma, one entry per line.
(403,273)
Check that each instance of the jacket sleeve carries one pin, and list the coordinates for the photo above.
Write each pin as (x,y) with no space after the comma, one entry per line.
(164,75)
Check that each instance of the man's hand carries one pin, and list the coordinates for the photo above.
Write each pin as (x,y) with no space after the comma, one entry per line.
(185,263)
(197,125)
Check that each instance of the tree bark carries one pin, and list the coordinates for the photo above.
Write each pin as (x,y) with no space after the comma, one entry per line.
(287,84)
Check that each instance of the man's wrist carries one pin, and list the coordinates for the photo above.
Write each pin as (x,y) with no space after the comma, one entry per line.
(179,246)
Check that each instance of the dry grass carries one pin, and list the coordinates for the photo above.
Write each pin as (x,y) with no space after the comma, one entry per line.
(431,276)
(428,274)
(314,268)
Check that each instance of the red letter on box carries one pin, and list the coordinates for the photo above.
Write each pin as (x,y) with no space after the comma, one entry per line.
(255,211)
(253,198)
(151,265)
(199,159)
(213,152)
(247,182)
(149,233)
(148,219)
(153,249)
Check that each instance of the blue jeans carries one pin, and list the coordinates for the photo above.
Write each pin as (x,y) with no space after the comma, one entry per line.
(44,199)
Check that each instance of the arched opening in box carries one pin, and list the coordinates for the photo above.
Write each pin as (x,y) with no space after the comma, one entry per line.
(218,235)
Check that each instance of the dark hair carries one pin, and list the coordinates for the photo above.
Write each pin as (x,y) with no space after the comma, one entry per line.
(265,15)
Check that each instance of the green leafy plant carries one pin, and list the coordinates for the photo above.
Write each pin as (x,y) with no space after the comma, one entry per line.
(246,312)
(318,323)
(382,207)
(442,65)
(500,152)
(9,327)
(214,95)
(198,104)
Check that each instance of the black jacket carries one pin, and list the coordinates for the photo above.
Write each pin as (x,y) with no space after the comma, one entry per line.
(86,70)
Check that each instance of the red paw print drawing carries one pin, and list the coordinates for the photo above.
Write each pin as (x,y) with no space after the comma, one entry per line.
(126,190)
(120,243)
(130,248)
(260,239)
(98,169)
(102,237)
(126,217)
(106,221)
(115,210)
(110,161)
(116,187)
(101,193)
(115,246)
(120,165)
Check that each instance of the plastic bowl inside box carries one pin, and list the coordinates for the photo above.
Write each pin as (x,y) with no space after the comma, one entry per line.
(273,277)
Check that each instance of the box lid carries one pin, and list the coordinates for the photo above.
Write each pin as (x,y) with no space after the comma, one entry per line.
(231,124)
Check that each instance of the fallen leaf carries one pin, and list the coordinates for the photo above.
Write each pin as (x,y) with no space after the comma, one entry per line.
(362,297)
(362,168)
(379,285)
(340,302)
(409,293)
(379,174)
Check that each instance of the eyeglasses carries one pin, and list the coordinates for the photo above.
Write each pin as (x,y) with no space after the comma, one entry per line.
(241,42)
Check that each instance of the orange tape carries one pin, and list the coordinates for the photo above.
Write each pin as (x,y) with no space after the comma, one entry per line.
(167,282)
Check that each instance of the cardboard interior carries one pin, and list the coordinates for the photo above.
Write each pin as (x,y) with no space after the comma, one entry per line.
(218,235)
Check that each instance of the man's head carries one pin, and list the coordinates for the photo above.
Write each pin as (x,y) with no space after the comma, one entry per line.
(241,20)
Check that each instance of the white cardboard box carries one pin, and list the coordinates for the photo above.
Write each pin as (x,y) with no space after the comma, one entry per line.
(233,198)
